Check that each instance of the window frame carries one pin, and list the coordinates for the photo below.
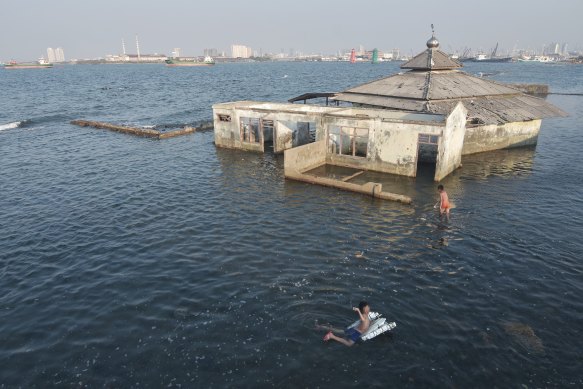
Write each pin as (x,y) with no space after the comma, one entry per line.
(254,137)
(342,132)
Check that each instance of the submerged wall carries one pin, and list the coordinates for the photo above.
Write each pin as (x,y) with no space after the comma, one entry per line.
(301,159)
(304,158)
(392,147)
(228,133)
(494,137)
(291,129)
(449,156)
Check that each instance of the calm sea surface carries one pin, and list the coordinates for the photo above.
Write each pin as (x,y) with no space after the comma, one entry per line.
(131,262)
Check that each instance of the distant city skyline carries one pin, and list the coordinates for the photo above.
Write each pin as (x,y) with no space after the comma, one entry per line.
(94,29)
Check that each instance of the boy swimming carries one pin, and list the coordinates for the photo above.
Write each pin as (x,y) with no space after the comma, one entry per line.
(353,334)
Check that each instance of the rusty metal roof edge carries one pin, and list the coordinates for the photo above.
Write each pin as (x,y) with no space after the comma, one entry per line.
(312,95)
(375,95)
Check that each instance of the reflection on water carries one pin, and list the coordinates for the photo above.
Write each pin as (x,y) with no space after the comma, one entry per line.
(502,163)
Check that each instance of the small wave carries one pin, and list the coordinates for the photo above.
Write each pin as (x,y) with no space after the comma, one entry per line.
(9,126)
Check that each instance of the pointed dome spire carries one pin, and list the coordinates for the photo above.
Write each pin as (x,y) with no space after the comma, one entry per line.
(432,58)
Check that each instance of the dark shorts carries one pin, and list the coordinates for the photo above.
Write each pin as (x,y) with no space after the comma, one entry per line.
(353,334)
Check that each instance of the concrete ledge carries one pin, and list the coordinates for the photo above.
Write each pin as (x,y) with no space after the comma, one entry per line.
(370,188)
(532,89)
(172,134)
(146,132)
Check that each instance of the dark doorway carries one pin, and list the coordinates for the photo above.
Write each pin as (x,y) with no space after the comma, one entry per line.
(427,148)
(267,128)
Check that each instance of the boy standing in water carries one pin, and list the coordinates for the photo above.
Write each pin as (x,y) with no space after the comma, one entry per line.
(444,205)
(353,334)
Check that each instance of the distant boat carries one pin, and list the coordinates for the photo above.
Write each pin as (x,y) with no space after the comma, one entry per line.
(481,57)
(40,64)
(537,58)
(485,58)
(208,61)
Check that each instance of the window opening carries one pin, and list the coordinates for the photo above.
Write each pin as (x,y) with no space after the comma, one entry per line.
(250,130)
(348,141)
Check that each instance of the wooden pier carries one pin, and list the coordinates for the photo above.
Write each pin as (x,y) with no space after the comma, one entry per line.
(147,132)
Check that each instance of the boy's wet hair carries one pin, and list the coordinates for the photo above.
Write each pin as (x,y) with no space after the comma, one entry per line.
(362,305)
(439,187)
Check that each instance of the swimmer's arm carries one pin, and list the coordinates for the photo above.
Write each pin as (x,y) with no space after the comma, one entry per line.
(359,313)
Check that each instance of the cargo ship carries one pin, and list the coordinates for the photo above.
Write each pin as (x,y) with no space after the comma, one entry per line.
(208,61)
(481,57)
(40,64)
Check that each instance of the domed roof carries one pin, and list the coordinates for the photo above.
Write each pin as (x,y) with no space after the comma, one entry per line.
(435,85)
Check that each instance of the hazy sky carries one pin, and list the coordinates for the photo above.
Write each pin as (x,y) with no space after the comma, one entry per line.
(91,28)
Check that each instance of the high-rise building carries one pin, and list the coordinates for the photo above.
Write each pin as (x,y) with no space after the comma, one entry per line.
(396,54)
(564,50)
(59,55)
(240,51)
(51,55)
(211,53)
(176,52)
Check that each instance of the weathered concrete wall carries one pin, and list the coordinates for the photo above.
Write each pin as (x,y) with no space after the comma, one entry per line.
(228,134)
(290,128)
(304,158)
(392,147)
(284,133)
(493,137)
(449,156)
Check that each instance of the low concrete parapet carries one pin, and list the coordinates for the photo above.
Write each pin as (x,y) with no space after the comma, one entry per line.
(301,159)
(373,189)
(532,89)
(147,132)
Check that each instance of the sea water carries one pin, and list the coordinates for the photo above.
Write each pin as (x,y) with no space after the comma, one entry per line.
(132,262)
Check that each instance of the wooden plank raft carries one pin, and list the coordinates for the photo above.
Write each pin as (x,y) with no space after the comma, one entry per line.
(134,130)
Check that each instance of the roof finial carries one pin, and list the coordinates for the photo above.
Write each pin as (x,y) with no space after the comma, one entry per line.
(432,43)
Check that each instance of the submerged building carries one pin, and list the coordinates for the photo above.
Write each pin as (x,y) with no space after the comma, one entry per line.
(364,138)
(432,113)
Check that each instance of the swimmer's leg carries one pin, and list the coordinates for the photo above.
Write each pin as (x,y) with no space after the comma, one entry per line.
(328,327)
(346,342)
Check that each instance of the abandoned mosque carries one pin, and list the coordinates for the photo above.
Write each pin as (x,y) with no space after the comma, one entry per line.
(431,113)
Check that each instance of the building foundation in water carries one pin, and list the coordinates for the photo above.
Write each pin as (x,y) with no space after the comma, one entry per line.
(433,113)
(362,138)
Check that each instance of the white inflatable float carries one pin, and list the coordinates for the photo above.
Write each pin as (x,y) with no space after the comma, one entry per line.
(378,325)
